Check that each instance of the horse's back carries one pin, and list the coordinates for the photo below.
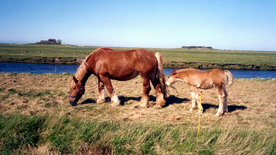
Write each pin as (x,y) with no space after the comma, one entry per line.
(123,65)
(206,79)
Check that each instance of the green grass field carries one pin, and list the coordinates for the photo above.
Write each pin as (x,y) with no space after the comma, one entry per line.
(178,57)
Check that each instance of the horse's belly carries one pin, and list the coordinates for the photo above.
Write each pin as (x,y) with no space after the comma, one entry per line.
(125,76)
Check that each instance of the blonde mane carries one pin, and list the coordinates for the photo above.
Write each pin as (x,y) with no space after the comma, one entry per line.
(82,70)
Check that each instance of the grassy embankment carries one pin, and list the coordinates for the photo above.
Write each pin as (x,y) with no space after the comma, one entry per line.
(174,58)
(35,117)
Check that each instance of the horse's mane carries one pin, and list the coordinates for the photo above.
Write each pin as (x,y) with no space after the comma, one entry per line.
(82,70)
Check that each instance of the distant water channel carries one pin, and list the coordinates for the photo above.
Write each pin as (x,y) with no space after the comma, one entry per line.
(51,68)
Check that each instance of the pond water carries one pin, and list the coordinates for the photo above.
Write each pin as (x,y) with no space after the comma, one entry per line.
(51,68)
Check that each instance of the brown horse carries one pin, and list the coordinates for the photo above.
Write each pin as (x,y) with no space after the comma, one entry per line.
(204,80)
(107,64)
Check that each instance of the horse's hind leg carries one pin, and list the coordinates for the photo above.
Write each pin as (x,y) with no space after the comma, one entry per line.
(160,101)
(114,98)
(146,89)
(222,95)
(101,97)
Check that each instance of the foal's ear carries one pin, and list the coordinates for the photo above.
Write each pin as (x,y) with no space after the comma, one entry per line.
(174,72)
(75,79)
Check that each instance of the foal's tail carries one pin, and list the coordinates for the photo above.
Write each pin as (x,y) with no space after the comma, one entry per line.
(161,75)
(230,78)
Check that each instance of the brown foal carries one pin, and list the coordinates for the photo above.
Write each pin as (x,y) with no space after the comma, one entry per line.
(204,80)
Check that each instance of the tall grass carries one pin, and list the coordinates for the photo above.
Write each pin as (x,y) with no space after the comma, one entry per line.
(69,135)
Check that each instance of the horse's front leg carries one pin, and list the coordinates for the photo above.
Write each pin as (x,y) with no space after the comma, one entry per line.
(193,95)
(101,96)
(196,100)
(114,98)
(146,89)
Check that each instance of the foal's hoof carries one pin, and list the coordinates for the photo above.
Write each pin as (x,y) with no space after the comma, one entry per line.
(200,112)
(219,114)
(115,104)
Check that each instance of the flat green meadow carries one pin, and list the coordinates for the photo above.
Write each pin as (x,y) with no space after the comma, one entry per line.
(174,58)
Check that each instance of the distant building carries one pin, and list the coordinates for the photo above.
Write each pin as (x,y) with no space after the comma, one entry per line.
(50,41)
(197,47)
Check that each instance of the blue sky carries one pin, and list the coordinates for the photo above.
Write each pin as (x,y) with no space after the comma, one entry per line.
(222,24)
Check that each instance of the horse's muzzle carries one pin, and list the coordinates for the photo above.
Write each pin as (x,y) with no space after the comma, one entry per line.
(73,103)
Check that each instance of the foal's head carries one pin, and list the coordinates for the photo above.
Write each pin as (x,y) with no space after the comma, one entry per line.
(172,78)
(76,91)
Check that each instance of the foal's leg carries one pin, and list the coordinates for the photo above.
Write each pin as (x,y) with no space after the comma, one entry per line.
(199,105)
(195,97)
(114,98)
(159,94)
(221,97)
(146,89)
(225,108)
(101,97)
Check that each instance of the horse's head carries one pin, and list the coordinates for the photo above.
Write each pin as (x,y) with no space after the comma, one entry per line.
(76,91)
(172,78)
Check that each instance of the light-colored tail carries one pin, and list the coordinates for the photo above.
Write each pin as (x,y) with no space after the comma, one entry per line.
(230,78)
(161,74)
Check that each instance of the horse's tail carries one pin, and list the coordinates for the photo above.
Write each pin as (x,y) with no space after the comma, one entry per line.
(230,78)
(160,73)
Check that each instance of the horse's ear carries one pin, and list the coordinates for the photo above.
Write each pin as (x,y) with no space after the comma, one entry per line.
(75,79)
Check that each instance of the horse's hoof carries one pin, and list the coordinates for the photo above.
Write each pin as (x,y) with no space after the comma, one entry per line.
(218,114)
(200,112)
(161,103)
(158,107)
(100,101)
(144,105)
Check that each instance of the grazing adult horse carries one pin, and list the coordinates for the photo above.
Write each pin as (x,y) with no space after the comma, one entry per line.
(204,80)
(107,64)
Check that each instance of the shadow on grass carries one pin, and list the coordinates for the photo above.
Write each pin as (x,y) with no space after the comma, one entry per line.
(88,101)
(169,101)
(231,108)
(175,100)
(122,99)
